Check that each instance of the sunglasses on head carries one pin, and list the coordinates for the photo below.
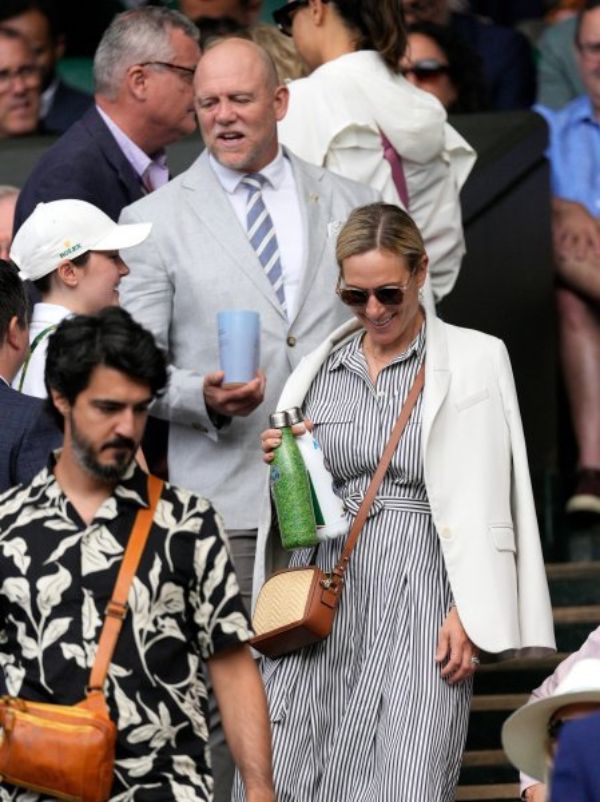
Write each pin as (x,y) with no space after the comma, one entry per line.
(426,69)
(388,295)
(283,16)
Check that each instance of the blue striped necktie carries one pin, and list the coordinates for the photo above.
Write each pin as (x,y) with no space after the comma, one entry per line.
(261,233)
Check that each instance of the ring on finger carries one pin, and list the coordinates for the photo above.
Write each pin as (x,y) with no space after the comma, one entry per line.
(475,661)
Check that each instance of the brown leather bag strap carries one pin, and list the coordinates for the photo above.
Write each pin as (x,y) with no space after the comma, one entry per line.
(116,609)
(384,462)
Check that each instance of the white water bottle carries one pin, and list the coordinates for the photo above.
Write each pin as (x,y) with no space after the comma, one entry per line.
(329,509)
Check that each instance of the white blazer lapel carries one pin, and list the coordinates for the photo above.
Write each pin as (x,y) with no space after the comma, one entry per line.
(437,374)
(299,382)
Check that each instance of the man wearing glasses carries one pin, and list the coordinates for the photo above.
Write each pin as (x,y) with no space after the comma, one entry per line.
(113,155)
(19,86)
(40,22)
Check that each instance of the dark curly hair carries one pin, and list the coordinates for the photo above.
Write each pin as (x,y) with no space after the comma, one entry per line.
(465,67)
(111,338)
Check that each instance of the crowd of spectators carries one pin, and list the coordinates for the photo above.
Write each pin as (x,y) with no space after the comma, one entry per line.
(338,104)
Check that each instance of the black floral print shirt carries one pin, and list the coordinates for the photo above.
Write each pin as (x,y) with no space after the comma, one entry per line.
(56,577)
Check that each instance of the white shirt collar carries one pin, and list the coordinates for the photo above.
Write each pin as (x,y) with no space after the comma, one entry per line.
(274,172)
(139,160)
(47,98)
(44,313)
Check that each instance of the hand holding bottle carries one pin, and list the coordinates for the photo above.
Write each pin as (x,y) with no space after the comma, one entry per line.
(270,439)
(329,515)
(291,489)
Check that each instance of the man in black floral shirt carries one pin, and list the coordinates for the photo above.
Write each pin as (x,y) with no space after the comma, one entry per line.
(61,542)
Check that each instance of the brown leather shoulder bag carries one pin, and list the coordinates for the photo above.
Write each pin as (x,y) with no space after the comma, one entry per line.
(68,751)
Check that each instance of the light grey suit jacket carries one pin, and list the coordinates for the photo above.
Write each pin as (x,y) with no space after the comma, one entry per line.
(198,261)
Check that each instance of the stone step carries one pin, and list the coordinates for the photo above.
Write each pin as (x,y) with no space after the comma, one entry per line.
(573,624)
(496,791)
(547,663)
(583,542)
(574,570)
(574,583)
(483,766)
(484,729)
(515,676)
(485,757)
(498,701)
(583,590)
(577,614)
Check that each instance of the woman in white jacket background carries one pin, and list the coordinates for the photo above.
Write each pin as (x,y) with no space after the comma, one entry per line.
(358,116)
(449,561)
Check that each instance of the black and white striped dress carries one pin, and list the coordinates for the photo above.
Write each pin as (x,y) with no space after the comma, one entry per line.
(365,716)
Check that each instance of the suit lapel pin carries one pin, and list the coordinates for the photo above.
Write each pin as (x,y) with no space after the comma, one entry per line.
(313,197)
(334,228)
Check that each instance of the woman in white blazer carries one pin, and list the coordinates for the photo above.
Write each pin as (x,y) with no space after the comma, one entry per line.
(448,565)
(358,116)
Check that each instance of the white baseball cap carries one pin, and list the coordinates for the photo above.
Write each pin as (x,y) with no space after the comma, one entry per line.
(525,733)
(66,229)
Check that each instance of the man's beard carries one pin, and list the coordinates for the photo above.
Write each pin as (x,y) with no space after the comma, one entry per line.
(86,456)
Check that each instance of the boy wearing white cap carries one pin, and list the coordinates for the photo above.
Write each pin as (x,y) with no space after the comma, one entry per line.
(69,249)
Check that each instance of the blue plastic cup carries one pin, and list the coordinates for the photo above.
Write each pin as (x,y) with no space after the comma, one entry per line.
(239,345)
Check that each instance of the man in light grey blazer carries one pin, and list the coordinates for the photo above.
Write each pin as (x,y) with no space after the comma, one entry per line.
(199,260)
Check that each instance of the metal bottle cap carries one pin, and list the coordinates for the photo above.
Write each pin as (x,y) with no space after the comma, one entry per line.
(294,415)
(279,420)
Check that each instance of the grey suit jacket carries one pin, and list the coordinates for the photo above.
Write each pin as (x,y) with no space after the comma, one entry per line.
(198,261)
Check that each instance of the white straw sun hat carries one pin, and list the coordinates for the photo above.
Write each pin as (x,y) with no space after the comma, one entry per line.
(525,733)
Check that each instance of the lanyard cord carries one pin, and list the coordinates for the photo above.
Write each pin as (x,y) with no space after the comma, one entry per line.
(44,333)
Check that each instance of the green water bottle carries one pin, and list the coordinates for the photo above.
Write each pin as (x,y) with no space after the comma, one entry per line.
(290,487)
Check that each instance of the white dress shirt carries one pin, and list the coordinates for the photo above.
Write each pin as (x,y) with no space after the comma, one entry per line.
(153,172)
(47,98)
(280,197)
(45,316)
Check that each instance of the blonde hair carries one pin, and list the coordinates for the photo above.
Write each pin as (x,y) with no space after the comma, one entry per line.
(380,226)
(282,50)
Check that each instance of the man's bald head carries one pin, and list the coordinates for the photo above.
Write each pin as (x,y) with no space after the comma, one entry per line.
(239,102)
(245,47)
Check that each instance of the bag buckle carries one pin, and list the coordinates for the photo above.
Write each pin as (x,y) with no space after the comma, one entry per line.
(116,610)
(332,583)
